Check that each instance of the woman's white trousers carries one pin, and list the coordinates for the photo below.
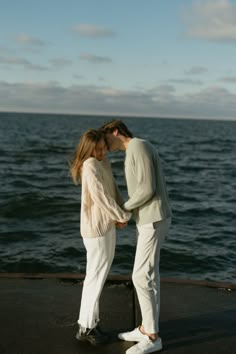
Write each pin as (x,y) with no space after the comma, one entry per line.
(100,254)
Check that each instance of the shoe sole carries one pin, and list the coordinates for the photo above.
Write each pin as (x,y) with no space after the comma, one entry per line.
(91,340)
(130,339)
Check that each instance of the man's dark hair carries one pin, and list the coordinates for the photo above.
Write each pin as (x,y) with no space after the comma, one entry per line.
(119,125)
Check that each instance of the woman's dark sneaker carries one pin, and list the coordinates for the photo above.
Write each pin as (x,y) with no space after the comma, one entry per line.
(93,336)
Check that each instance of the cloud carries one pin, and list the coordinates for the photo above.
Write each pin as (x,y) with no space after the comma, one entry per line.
(196,70)
(94,58)
(185,81)
(60,62)
(162,101)
(37,67)
(80,77)
(101,79)
(10,60)
(211,20)
(229,79)
(5,50)
(162,90)
(92,31)
(25,39)
(13,61)
(56,63)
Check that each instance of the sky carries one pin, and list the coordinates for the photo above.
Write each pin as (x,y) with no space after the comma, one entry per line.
(153,58)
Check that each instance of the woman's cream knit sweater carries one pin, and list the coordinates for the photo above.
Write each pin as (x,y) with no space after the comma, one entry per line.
(100,199)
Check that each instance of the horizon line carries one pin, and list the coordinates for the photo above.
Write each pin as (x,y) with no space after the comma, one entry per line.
(120,115)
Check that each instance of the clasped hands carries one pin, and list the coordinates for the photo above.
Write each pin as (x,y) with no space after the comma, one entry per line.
(121,225)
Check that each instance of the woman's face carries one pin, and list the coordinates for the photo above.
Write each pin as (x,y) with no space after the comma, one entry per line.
(100,150)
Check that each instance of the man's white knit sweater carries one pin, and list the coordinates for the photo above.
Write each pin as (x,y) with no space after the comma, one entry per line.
(100,199)
(148,198)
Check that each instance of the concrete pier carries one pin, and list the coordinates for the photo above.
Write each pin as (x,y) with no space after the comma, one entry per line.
(39,312)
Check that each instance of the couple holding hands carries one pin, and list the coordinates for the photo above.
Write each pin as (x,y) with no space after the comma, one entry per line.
(103,209)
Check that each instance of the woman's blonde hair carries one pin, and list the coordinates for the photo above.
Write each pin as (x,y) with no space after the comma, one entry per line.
(84,150)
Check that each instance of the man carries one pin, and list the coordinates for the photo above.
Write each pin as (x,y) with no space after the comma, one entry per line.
(148,200)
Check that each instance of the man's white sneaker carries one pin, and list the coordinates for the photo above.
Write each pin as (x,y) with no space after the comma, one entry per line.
(133,336)
(145,346)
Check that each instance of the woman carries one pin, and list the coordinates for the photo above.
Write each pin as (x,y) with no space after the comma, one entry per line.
(100,212)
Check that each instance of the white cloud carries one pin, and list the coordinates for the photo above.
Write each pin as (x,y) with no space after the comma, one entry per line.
(92,31)
(94,58)
(211,20)
(25,39)
(213,102)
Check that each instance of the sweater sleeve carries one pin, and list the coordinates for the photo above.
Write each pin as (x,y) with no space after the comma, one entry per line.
(101,198)
(119,199)
(141,167)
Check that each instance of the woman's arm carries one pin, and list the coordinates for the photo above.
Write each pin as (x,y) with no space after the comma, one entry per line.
(107,204)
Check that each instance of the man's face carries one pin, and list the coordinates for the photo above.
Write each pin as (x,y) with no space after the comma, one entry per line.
(111,140)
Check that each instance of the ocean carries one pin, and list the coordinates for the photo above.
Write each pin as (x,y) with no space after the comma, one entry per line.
(40,206)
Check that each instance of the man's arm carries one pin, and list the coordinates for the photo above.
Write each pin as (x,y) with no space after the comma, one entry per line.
(143,170)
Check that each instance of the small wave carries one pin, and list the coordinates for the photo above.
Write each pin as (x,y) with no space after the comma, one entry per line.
(35,205)
(17,236)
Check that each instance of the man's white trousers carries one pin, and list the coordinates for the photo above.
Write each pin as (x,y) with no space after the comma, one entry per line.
(146,276)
